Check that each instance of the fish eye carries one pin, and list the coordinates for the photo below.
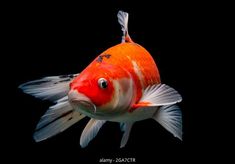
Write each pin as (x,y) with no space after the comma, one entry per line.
(103,83)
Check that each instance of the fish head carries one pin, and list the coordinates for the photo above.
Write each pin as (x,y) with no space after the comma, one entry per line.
(102,90)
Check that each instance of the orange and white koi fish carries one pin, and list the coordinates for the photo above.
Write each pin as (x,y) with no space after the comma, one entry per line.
(121,85)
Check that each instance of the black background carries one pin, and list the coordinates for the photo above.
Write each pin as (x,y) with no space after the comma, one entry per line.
(55,39)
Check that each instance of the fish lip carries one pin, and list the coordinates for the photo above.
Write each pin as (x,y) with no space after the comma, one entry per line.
(80,101)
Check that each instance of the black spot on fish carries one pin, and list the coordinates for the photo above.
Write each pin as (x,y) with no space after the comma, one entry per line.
(67,76)
(63,115)
(63,76)
(101,57)
(71,76)
(107,56)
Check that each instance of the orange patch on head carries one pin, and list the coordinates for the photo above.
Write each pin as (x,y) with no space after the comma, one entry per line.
(96,94)
(87,82)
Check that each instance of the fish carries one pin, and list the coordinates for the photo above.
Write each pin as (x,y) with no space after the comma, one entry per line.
(122,84)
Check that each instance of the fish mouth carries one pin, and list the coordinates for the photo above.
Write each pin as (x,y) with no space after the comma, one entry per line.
(86,105)
(81,102)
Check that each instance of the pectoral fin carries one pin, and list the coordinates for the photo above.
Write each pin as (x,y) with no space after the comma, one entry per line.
(126,128)
(90,131)
(158,95)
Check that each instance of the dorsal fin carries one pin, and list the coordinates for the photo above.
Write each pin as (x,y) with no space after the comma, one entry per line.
(123,21)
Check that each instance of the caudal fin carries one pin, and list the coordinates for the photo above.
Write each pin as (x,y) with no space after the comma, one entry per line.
(56,119)
(50,88)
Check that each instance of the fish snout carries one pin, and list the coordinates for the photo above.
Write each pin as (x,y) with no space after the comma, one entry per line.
(81,102)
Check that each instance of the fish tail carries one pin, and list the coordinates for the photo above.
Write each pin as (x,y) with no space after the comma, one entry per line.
(50,88)
(56,119)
